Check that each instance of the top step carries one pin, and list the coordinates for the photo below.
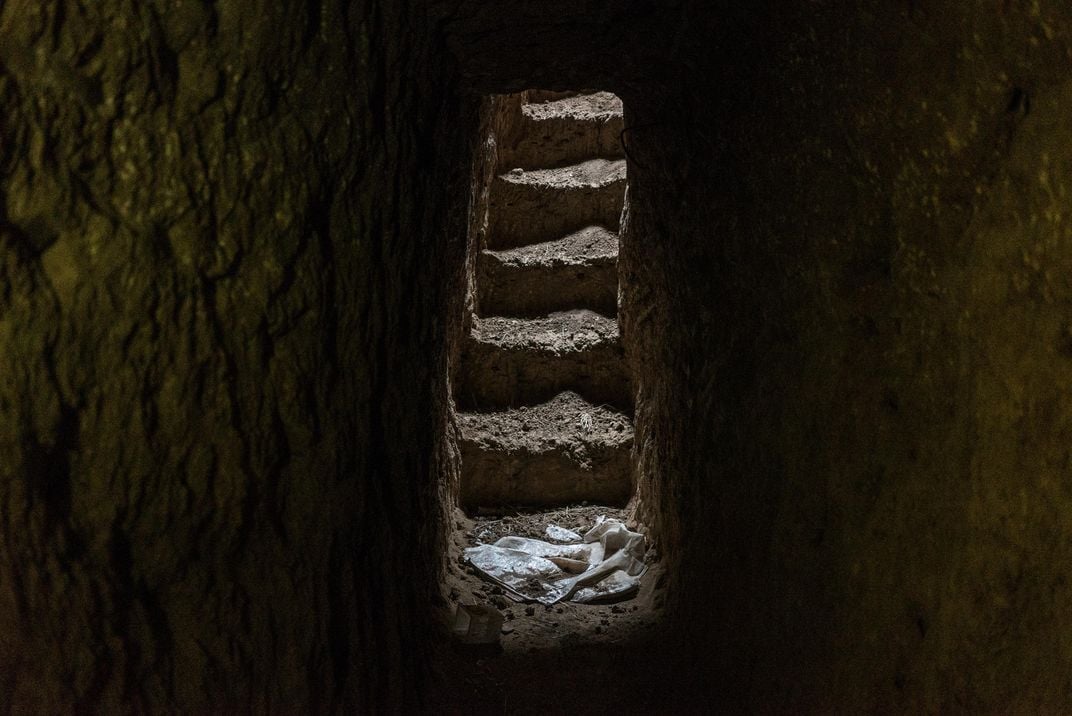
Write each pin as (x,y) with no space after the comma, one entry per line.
(564,131)
(600,107)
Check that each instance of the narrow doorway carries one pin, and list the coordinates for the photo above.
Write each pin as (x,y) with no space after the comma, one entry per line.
(541,384)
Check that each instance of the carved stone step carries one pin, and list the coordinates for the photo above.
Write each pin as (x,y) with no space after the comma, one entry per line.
(564,131)
(577,271)
(516,361)
(559,452)
(531,206)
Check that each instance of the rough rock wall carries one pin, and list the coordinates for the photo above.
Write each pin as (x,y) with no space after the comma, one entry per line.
(850,255)
(222,293)
(496,116)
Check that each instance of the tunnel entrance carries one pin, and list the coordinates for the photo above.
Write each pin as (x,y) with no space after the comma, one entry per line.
(541,386)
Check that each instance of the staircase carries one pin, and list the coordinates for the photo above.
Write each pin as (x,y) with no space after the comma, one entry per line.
(543,387)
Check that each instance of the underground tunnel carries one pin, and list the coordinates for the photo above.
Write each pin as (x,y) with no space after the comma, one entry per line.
(240,269)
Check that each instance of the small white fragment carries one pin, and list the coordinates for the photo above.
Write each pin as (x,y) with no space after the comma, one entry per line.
(561,534)
(586,422)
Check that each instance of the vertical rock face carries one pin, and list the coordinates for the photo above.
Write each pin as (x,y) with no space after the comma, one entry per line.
(221,246)
(848,305)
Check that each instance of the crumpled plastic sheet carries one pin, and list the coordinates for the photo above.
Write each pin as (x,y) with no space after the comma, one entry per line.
(607,563)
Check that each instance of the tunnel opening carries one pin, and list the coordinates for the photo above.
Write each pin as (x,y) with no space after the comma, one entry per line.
(541,383)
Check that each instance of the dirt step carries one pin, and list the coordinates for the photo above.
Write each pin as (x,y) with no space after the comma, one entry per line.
(579,270)
(519,361)
(530,206)
(562,451)
(565,131)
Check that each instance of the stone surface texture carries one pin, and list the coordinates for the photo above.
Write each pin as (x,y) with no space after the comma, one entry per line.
(218,265)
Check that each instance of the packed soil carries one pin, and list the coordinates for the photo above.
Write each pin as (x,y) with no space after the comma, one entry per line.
(528,207)
(560,451)
(564,131)
(533,523)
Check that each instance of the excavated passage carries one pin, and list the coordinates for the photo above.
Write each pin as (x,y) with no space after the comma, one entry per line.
(542,379)
(231,265)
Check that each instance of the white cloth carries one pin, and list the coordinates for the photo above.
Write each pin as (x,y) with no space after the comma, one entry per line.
(606,563)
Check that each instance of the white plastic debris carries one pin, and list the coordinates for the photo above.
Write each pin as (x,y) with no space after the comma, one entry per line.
(606,563)
(561,534)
